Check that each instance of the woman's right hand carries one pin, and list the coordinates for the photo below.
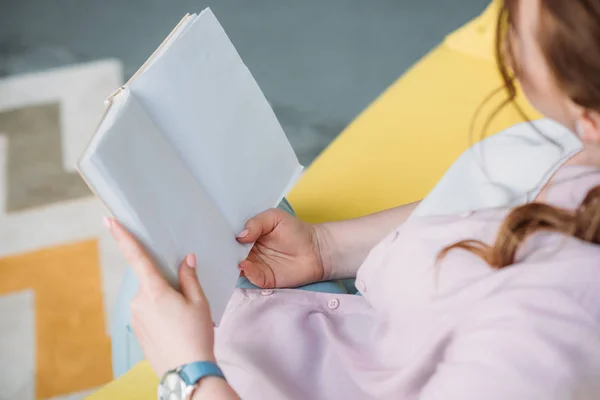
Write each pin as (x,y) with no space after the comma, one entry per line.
(287,252)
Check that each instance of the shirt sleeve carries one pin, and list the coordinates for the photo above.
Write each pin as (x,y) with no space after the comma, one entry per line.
(549,352)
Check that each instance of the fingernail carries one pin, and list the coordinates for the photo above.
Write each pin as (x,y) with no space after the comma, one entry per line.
(243,234)
(190,260)
(108,222)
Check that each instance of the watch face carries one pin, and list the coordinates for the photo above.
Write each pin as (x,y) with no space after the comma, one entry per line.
(172,387)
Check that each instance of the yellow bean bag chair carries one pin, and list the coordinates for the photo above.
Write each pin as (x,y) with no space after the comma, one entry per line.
(395,151)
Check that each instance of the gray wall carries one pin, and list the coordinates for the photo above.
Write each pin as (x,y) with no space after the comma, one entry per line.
(319,62)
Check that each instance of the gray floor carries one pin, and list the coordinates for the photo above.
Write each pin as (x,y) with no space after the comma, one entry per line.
(319,62)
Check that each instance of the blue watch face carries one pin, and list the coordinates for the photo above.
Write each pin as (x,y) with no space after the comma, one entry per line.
(172,387)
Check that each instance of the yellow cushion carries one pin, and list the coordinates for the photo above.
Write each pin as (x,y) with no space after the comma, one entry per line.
(478,37)
(140,383)
(394,152)
(401,145)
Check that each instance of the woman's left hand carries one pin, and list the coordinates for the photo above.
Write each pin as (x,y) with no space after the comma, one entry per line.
(172,328)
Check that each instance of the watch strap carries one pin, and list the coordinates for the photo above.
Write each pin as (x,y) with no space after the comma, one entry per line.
(191,373)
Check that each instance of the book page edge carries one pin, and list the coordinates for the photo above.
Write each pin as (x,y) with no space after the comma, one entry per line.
(109,101)
(158,49)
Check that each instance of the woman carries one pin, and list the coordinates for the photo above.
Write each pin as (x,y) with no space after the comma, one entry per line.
(502,304)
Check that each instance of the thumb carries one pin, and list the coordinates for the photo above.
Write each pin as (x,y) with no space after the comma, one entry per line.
(261,225)
(188,280)
(258,274)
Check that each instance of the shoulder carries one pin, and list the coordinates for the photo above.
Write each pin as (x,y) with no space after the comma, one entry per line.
(522,350)
(566,265)
(539,333)
(553,291)
(555,274)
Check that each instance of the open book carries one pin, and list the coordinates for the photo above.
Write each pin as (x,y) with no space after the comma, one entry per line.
(187,151)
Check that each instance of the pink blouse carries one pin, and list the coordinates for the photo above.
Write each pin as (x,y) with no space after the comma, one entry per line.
(456,331)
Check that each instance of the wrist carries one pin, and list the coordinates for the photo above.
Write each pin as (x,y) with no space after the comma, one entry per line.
(323,244)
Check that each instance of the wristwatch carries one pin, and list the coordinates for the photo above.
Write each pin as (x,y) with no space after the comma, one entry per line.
(180,383)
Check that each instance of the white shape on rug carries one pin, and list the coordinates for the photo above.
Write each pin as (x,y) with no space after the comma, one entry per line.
(3,162)
(17,346)
(81,90)
(62,223)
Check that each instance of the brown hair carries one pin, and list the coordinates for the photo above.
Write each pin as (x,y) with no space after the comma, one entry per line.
(570,41)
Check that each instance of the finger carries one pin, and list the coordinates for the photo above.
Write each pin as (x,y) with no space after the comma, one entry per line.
(188,280)
(260,225)
(141,264)
(257,275)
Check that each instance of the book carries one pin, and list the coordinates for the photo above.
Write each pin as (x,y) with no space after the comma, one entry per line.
(187,151)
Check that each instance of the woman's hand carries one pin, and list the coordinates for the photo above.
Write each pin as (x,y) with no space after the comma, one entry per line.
(172,328)
(287,252)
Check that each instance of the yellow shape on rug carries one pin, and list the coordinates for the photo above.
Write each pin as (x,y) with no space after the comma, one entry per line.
(72,348)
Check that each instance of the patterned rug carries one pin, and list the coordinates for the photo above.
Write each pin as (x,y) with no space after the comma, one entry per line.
(59,272)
